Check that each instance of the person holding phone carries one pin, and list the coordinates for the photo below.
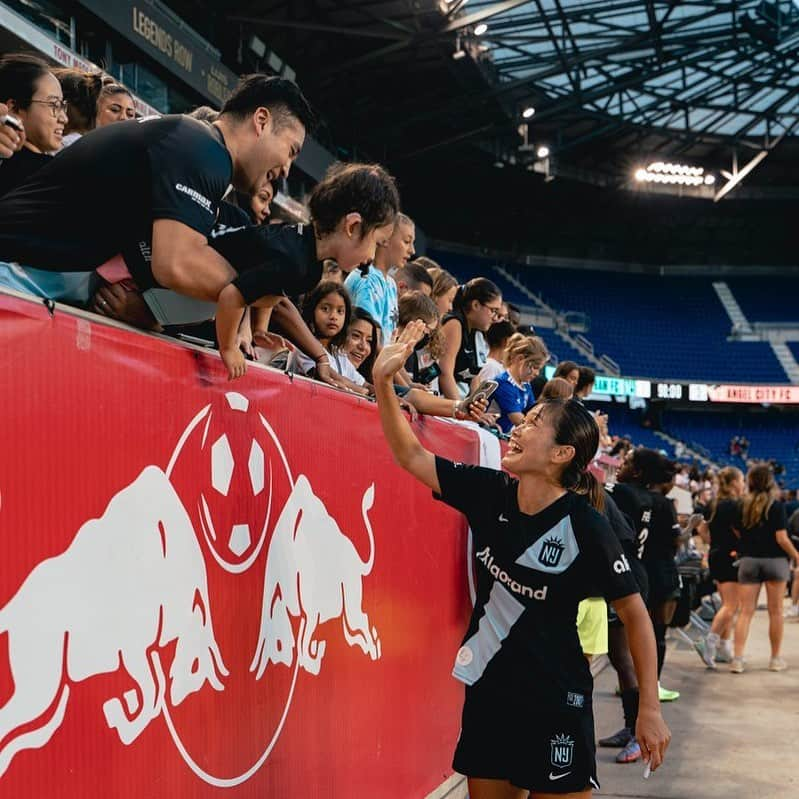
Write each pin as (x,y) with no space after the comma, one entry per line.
(525,356)
(527,722)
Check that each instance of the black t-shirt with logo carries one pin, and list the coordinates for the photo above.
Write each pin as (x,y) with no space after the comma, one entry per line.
(636,503)
(532,571)
(270,259)
(664,531)
(760,541)
(723,523)
(101,195)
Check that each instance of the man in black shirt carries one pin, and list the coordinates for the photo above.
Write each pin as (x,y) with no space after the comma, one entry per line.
(151,189)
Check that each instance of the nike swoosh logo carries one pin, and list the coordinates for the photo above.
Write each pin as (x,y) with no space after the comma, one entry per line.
(502,517)
(554,777)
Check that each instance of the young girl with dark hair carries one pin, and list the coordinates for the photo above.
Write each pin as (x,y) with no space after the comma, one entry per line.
(327,311)
(540,548)
(363,342)
(724,543)
(33,95)
(477,305)
(766,551)
(570,371)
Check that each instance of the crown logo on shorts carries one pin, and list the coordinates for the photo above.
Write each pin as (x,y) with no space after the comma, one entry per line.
(552,550)
(561,751)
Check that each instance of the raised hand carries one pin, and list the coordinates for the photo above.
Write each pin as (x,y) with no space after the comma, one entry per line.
(392,357)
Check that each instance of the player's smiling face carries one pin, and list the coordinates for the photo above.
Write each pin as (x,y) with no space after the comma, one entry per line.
(532,446)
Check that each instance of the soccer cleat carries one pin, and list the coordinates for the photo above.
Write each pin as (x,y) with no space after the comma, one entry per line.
(630,754)
(737,666)
(619,739)
(704,650)
(777,664)
(665,695)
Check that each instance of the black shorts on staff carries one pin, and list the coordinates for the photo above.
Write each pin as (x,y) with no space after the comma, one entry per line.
(723,567)
(540,749)
(664,581)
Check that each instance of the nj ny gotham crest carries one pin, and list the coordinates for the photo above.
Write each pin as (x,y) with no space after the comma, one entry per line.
(554,551)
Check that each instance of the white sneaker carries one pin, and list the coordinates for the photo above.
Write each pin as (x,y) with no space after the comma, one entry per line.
(724,652)
(792,612)
(737,666)
(777,664)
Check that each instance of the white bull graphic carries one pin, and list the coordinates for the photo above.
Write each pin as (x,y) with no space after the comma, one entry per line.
(130,582)
(313,572)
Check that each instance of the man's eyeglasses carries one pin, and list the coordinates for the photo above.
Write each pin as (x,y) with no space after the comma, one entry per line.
(55,105)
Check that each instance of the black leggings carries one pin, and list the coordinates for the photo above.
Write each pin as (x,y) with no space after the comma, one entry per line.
(661,614)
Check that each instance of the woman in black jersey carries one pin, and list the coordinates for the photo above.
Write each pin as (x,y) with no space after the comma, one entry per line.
(766,551)
(723,558)
(540,548)
(650,472)
(477,305)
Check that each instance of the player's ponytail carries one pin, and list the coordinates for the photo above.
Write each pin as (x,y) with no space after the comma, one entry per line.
(575,426)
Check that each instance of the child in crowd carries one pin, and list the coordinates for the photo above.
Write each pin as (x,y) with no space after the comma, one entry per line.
(525,356)
(558,388)
(362,344)
(352,209)
(327,312)
(497,339)
(422,366)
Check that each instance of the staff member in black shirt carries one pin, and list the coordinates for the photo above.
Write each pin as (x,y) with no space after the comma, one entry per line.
(766,551)
(540,548)
(72,217)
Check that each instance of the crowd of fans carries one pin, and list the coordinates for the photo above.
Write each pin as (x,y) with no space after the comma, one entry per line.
(192,238)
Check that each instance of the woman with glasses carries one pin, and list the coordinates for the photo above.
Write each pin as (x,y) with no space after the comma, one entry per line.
(477,305)
(33,95)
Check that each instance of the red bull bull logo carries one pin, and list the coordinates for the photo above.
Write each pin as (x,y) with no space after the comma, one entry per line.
(133,593)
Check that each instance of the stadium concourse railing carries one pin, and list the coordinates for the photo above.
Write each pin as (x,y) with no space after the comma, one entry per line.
(214,588)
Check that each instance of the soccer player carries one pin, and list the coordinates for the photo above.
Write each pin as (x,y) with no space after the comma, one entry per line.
(540,547)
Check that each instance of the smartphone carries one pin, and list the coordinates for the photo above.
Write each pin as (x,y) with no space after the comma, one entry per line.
(12,122)
(484,391)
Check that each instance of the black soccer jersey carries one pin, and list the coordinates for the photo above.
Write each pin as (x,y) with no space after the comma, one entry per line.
(532,571)
(636,502)
(270,259)
(664,531)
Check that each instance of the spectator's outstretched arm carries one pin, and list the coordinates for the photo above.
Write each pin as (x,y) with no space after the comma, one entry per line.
(230,308)
(406,448)
(452,344)
(11,140)
(182,260)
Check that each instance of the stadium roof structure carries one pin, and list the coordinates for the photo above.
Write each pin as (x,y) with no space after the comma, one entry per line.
(613,82)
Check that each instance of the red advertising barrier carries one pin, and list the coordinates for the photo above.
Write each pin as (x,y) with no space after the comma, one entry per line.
(214,589)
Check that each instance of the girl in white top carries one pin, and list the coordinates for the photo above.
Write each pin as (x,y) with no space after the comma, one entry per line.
(327,311)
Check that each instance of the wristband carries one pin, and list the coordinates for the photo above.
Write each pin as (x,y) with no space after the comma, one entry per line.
(323,358)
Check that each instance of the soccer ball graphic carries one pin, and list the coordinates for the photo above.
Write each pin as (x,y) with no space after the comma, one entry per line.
(233,477)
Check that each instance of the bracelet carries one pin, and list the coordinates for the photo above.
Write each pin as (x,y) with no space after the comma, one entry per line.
(323,358)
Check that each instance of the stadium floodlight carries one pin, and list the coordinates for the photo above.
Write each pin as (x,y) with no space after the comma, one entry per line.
(543,151)
(499,164)
(668,173)
(528,112)
(480,29)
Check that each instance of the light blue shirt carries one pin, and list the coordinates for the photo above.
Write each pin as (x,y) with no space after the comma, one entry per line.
(377,295)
